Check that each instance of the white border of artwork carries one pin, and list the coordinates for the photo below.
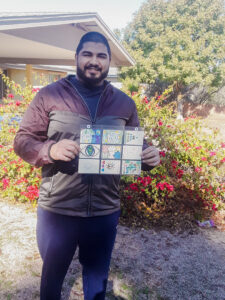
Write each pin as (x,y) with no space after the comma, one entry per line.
(88,166)
(132,152)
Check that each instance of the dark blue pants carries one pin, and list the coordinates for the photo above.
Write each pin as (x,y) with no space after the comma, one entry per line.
(58,237)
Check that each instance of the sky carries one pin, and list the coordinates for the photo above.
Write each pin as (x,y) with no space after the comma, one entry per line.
(115,13)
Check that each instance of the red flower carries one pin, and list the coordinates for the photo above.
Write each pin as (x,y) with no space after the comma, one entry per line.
(174,164)
(134,187)
(35,90)
(162,153)
(214,207)
(32,193)
(11,96)
(160,186)
(160,123)
(180,173)
(199,147)
(223,160)
(212,153)
(203,158)
(145,180)
(169,187)
(223,145)
(1,146)
(5,182)
(18,103)
(198,170)
(129,197)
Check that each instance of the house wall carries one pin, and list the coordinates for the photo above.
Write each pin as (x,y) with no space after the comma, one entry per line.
(39,77)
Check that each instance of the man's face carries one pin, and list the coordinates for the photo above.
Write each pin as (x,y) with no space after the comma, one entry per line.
(93,63)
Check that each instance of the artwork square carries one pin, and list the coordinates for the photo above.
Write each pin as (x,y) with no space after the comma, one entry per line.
(132,137)
(132,152)
(90,136)
(111,152)
(131,167)
(114,137)
(110,167)
(89,151)
(88,166)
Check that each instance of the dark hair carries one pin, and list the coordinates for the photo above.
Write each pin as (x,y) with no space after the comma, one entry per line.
(95,37)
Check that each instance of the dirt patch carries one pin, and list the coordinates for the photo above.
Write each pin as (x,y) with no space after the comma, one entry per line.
(146,264)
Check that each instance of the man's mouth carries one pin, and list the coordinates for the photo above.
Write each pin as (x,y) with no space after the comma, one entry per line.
(93,68)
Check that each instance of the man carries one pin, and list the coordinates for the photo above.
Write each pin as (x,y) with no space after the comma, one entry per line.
(76,210)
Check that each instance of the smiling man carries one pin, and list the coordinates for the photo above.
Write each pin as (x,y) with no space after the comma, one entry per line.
(76,210)
(93,63)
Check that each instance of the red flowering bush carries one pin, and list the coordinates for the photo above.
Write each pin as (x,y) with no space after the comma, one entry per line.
(192,168)
(19,181)
(190,175)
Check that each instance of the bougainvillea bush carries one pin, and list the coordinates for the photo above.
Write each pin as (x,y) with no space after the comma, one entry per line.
(191,174)
(190,177)
(19,181)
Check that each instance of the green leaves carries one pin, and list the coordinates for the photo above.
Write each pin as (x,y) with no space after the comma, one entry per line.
(178,40)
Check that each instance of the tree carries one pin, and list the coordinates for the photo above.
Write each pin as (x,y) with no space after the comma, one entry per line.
(178,41)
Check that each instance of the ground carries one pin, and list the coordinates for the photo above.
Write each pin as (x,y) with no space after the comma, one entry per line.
(146,264)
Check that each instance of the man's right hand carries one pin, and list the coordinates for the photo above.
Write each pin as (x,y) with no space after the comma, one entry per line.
(65,150)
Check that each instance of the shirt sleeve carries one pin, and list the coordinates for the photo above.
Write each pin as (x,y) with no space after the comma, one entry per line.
(31,142)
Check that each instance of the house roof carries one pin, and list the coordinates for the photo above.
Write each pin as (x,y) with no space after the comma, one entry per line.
(51,38)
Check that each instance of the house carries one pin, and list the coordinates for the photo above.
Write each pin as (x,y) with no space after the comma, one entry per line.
(35,43)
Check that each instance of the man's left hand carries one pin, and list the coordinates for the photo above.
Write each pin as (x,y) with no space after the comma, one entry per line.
(150,156)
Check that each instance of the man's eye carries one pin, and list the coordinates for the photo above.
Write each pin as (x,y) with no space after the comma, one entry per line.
(102,56)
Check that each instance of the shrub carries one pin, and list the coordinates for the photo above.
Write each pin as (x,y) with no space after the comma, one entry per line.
(19,181)
(190,175)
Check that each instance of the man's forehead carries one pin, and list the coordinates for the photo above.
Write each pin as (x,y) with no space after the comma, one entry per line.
(94,47)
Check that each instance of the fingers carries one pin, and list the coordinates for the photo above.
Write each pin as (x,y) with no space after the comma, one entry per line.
(65,150)
(150,156)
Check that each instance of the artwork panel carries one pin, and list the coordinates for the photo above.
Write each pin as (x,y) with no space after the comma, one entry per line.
(110,166)
(90,136)
(114,137)
(89,151)
(88,166)
(132,137)
(131,167)
(132,152)
(111,152)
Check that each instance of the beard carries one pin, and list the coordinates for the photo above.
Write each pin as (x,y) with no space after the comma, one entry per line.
(91,81)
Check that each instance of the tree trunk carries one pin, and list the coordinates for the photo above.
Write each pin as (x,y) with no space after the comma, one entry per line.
(179,98)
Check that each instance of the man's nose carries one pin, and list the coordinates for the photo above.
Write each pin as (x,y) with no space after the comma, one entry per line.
(94,60)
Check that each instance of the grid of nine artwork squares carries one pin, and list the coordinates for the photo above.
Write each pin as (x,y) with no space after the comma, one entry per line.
(112,150)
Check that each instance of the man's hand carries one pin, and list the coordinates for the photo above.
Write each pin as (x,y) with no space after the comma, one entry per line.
(150,156)
(65,150)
